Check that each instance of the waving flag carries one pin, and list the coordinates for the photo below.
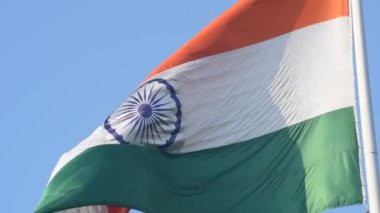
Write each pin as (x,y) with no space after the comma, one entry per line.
(254,114)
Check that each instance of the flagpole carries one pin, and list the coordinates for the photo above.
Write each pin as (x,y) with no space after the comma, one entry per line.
(364,92)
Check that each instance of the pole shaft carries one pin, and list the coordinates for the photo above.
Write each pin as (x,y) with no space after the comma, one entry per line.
(364,93)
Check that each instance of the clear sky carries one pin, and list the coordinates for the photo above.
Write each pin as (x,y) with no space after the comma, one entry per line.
(65,65)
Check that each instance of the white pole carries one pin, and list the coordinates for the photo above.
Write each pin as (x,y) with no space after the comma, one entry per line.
(367,127)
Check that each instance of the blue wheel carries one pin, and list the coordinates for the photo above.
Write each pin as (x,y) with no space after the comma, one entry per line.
(150,116)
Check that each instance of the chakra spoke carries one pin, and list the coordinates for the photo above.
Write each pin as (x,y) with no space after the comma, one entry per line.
(147,130)
(155,127)
(143,130)
(151,129)
(161,115)
(150,93)
(125,111)
(125,118)
(160,105)
(144,94)
(141,99)
(161,120)
(127,115)
(162,110)
(131,121)
(138,129)
(154,96)
(134,126)
(158,100)
(122,119)
(130,106)
(118,114)
(158,124)
(137,100)
(130,102)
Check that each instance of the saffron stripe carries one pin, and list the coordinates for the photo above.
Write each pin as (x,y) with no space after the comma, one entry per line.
(252,21)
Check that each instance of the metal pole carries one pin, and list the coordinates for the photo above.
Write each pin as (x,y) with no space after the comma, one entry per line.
(367,127)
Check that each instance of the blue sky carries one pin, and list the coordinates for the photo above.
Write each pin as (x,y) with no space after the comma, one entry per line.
(65,65)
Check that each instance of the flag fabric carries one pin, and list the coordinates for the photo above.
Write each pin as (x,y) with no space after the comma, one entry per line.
(254,114)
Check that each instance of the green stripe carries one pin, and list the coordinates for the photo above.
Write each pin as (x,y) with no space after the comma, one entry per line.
(307,167)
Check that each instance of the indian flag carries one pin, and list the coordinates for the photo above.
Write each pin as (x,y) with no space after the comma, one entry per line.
(254,114)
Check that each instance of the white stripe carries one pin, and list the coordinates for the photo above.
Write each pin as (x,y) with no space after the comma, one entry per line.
(252,91)
(98,137)
(92,209)
(86,209)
